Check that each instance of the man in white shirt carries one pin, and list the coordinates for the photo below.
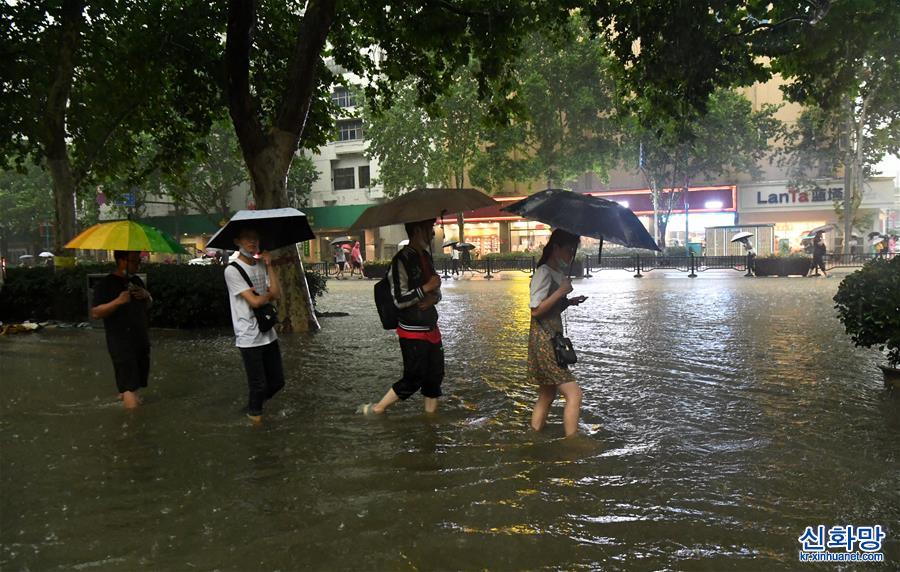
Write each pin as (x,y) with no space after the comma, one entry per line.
(259,349)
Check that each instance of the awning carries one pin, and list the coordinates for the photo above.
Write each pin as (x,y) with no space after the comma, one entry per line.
(179,225)
(333,217)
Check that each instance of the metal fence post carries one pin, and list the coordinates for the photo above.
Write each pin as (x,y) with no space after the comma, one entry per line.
(444,264)
(587,266)
(637,265)
(488,265)
(693,267)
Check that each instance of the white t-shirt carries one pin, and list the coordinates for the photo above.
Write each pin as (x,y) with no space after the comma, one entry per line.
(246,328)
(541,282)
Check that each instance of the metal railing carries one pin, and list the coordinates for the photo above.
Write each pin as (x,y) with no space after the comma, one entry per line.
(590,264)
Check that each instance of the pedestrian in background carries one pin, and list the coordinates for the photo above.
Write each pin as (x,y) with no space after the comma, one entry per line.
(356,262)
(819,250)
(340,260)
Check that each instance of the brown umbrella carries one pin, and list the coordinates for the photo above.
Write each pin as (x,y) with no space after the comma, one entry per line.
(422,204)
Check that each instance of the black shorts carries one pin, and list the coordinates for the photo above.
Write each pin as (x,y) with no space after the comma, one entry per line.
(341,265)
(423,368)
(132,369)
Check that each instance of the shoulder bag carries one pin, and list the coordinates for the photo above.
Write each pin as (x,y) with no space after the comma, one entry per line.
(267,314)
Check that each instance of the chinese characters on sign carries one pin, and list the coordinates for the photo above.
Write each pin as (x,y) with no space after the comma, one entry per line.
(795,196)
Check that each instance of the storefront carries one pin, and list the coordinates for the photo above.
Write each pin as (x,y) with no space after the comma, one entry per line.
(795,212)
(492,230)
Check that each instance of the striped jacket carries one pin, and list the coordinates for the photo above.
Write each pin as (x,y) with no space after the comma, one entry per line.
(407,279)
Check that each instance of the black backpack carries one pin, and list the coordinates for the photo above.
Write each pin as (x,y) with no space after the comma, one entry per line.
(384,302)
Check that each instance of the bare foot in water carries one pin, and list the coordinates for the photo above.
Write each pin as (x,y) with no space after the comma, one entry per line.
(130,400)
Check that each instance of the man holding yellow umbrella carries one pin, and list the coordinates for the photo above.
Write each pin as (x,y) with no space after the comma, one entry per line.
(122,301)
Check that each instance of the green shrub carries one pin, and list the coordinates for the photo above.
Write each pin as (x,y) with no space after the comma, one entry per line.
(868,304)
(183,296)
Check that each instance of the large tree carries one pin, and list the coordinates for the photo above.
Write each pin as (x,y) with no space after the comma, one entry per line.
(568,114)
(417,145)
(847,74)
(278,74)
(671,153)
(83,81)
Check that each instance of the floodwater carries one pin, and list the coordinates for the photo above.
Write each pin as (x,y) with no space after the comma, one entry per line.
(721,416)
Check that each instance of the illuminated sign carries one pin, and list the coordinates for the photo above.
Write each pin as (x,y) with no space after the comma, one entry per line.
(796,196)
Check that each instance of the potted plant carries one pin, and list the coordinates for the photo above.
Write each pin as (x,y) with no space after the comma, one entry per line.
(868,304)
(778,265)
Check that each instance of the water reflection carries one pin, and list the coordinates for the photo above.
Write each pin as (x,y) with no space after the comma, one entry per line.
(721,416)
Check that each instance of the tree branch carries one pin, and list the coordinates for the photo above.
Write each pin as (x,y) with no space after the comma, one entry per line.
(241,105)
(302,76)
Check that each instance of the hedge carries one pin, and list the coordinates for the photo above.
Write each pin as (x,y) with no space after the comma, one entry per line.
(184,296)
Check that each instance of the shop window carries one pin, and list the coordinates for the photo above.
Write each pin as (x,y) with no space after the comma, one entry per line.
(344,179)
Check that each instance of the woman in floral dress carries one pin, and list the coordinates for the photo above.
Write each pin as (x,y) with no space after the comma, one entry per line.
(549,287)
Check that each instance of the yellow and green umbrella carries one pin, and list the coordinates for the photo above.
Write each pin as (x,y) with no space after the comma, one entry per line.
(126,235)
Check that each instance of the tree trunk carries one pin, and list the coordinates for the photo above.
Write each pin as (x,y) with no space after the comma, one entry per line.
(848,174)
(54,126)
(268,172)
(662,223)
(268,152)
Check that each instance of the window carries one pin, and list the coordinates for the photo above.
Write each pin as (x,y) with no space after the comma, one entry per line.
(350,130)
(344,179)
(342,97)
(364,177)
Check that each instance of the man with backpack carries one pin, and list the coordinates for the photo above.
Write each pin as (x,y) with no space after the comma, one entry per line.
(251,289)
(415,289)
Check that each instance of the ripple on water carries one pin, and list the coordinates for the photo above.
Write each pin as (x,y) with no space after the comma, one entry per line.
(721,416)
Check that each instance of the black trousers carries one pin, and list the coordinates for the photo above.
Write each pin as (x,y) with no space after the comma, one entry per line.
(818,262)
(265,374)
(423,368)
(132,368)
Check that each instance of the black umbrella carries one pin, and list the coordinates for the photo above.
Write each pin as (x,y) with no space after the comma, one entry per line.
(422,204)
(874,234)
(447,243)
(585,215)
(464,246)
(276,228)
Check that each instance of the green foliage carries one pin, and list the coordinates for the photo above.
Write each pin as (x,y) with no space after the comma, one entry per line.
(183,296)
(208,178)
(729,137)
(846,72)
(868,304)
(567,100)
(26,200)
(417,146)
(40,293)
(376,268)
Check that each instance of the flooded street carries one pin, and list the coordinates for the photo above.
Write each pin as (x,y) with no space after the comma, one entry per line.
(721,416)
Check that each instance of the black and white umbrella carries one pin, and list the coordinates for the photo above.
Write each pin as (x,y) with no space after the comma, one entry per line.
(741,236)
(276,228)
